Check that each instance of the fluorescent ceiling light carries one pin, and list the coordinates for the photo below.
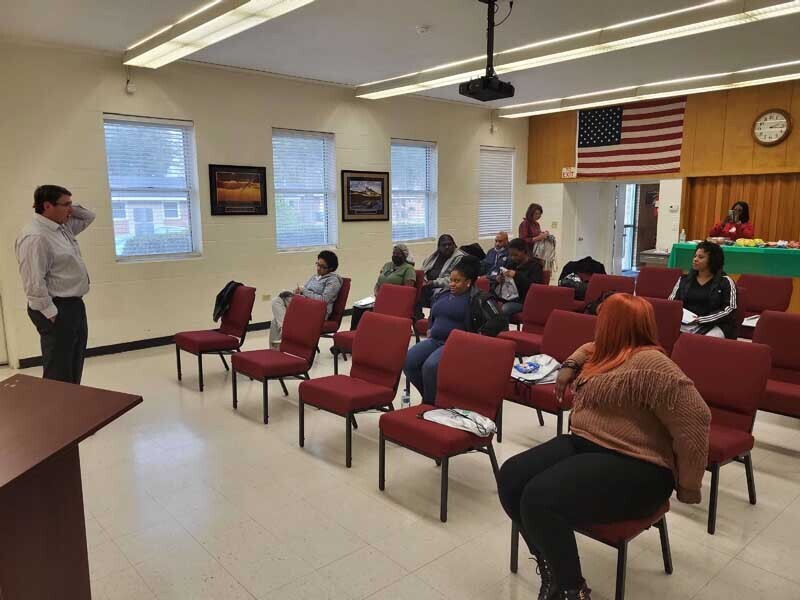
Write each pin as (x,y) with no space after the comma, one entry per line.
(661,89)
(693,20)
(209,24)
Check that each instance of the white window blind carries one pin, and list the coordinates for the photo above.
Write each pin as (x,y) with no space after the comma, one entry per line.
(305,188)
(414,190)
(496,191)
(151,162)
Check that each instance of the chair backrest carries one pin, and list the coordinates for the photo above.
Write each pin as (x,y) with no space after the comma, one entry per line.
(473,372)
(546,275)
(302,327)
(765,292)
(540,302)
(483,284)
(709,362)
(339,305)
(781,332)
(668,320)
(599,284)
(567,331)
(657,282)
(236,319)
(395,300)
(418,282)
(380,347)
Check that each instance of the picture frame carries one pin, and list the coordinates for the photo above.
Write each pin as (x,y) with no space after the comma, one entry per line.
(237,190)
(365,195)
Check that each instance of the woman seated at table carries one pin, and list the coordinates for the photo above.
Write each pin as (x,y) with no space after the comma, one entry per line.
(639,430)
(325,286)
(462,306)
(709,293)
(523,271)
(736,225)
(398,271)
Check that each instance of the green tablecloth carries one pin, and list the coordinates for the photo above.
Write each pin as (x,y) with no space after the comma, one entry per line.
(760,261)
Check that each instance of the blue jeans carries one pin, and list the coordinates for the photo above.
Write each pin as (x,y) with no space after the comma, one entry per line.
(511,308)
(422,367)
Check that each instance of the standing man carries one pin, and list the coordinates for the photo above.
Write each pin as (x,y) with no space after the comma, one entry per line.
(55,280)
(496,257)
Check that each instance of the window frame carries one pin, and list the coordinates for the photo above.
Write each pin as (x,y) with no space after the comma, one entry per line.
(192,190)
(431,192)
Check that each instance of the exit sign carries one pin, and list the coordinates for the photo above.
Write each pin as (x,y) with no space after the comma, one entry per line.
(569,172)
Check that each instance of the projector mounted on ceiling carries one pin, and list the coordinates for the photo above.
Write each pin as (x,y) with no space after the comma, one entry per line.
(489,87)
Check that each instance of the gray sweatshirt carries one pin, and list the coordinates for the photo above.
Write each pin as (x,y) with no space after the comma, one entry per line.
(325,288)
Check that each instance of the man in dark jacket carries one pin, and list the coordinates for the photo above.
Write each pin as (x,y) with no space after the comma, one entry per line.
(496,257)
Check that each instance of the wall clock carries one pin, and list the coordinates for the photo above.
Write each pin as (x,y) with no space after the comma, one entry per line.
(772,127)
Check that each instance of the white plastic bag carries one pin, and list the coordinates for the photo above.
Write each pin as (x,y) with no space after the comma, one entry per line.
(460,418)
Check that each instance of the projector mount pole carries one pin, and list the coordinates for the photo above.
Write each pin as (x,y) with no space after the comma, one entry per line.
(491,7)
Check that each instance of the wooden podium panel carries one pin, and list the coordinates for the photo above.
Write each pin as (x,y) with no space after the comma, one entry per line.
(42,528)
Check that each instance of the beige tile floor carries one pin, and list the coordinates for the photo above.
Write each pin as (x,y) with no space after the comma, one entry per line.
(187,499)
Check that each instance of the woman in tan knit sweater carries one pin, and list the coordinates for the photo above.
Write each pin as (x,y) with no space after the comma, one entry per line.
(639,431)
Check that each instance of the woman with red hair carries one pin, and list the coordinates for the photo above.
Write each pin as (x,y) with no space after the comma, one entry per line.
(639,430)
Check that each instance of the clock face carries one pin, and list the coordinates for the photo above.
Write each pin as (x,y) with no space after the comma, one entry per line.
(771,127)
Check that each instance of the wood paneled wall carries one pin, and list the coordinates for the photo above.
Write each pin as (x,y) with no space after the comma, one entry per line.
(717,137)
(774,204)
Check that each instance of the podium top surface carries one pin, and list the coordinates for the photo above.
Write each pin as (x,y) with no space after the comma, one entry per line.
(40,417)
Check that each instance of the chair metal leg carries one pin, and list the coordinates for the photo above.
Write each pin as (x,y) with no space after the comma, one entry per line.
(178,361)
(336,363)
(541,418)
(622,563)
(499,423)
(712,501)
(233,386)
(493,458)
(443,505)
(666,552)
(353,422)
(560,423)
(408,386)
(266,401)
(751,482)
(301,423)
(348,452)
(200,369)
(514,547)
(224,362)
(318,350)
(283,385)
(344,356)
(381,462)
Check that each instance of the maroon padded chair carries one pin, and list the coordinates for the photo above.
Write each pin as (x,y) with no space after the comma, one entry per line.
(418,285)
(617,535)
(331,325)
(540,301)
(518,319)
(781,332)
(764,292)
(301,331)
(393,300)
(463,353)
(483,284)
(668,315)
(379,351)
(709,362)
(657,282)
(564,333)
(227,339)
(600,284)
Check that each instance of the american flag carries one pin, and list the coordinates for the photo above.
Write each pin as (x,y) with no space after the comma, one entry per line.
(632,139)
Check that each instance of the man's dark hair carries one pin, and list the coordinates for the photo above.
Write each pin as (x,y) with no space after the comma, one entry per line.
(745,210)
(48,193)
(518,244)
(716,258)
(469,267)
(330,259)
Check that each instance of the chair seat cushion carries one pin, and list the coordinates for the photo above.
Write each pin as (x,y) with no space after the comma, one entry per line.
(782,397)
(541,396)
(578,306)
(343,340)
(432,439)
(208,340)
(268,363)
(725,443)
(330,326)
(421,327)
(526,343)
(342,394)
(615,533)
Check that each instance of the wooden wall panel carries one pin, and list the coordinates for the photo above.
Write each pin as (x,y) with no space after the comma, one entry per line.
(773,96)
(774,201)
(551,146)
(706,145)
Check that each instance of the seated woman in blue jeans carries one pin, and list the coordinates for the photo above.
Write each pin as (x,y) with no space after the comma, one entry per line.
(463,306)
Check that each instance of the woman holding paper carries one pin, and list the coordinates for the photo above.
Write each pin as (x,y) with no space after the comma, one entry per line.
(708,295)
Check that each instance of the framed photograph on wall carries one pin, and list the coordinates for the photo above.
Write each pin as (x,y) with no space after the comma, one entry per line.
(365,196)
(237,190)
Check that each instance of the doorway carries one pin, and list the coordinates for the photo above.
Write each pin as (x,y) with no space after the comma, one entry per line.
(635,225)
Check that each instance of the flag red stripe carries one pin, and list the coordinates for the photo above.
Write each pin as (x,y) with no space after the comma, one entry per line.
(651,126)
(654,150)
(654,138)
(632,162)
(627,173)
(653,115)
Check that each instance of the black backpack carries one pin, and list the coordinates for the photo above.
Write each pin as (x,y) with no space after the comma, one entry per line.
(572,280)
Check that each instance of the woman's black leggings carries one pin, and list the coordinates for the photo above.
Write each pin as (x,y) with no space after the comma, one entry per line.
(571,482)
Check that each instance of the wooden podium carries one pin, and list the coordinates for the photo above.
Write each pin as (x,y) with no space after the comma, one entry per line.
(42,529)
